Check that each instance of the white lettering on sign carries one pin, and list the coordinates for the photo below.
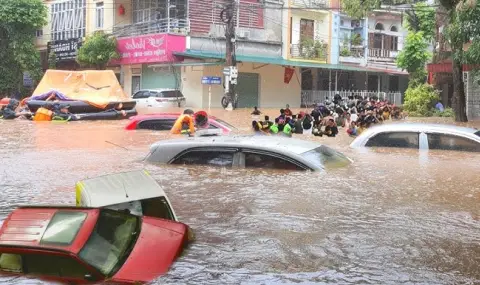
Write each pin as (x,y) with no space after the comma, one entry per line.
(135,45)
(159,52)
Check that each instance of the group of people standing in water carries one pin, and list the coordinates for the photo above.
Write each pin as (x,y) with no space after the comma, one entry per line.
(354,114)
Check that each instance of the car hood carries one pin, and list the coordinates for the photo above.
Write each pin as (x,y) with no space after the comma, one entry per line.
(159,243)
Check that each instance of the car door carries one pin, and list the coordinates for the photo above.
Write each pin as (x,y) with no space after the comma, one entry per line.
(211,156)
(250,158)
(141,98)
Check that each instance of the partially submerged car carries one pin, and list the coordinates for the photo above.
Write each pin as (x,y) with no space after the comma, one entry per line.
(135,191)
(420,136)
(247,152)
(165,122)
(88,245)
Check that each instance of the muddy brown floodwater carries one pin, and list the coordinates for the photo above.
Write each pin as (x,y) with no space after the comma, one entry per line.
(393,217)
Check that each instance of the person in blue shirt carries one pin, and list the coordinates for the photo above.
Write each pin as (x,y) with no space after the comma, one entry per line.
(439,106)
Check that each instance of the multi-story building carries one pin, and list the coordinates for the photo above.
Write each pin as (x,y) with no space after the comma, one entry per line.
(286,51)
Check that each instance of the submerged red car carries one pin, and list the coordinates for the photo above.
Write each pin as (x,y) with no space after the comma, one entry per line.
(88,245)
(165,122)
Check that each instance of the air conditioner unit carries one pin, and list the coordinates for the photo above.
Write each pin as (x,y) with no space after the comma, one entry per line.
(243,34)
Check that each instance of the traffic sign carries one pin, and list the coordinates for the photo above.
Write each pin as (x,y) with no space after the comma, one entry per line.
(211,80)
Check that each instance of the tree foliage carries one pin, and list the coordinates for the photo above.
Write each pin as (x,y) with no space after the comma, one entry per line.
(98,50)
(19,20)
(421,19)
(414,54)
(420,100)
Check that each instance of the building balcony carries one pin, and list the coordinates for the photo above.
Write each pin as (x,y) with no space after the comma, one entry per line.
(377,54)
(318,52)
(354,54)
(172,25)
(310,3)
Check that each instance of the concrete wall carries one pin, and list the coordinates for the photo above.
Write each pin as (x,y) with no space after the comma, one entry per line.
(251,48)
(322,21)
(335,40)
(387,25)
(473,97)
(273,92)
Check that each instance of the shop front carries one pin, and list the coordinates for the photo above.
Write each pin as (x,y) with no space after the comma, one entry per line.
(65,53)
(138,54)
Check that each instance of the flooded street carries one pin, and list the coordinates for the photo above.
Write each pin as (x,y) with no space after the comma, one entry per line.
(392,217)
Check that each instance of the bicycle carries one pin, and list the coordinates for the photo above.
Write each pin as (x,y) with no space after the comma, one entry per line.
(227,99)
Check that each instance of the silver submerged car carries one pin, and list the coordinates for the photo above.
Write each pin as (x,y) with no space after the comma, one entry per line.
(247,152)
(420,136)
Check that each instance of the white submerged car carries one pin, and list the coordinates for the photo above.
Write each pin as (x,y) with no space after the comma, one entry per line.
(135,191)
(160,98)
(247,152)
(420,136)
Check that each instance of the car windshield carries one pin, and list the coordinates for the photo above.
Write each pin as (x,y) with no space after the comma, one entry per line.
(225,124)
(326,157)
(111,241)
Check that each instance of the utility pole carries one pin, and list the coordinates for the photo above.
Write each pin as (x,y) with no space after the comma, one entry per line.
(230,71)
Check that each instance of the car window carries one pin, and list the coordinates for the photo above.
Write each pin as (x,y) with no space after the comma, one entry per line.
(154,94)
(326,157)
(111,241)
(451,142)
(157,207)
(394,139)
(54,265)
(140,95)
(10,262)
(258,160)
(212,157)
(158,125)
(477,133)
(63,227)
(172,94)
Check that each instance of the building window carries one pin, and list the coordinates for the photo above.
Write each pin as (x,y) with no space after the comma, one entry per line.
(68,19)
(155,10)
(393,29)
(379,26)
(99,15)
(39,33)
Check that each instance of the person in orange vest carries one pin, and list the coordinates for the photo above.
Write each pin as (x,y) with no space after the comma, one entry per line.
(184,123)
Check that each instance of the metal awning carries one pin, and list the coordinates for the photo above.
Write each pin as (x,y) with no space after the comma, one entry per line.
(175,64)
(284,62)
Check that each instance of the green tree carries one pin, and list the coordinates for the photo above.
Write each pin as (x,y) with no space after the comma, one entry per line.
(19,20)
(458,26)
(52,60)
(414,56)
(421,19)
(98,50)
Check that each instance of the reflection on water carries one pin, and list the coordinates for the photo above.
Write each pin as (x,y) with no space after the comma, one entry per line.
(392,217)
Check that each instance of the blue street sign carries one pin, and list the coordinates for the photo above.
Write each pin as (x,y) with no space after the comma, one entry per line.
(211,80)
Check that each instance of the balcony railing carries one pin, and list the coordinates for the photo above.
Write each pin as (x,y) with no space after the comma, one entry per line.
(354,51)
(177,26)
(310,98)
(309,52)
(310,3)
(382,53)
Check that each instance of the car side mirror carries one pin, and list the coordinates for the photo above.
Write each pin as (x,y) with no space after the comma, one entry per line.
(89,277)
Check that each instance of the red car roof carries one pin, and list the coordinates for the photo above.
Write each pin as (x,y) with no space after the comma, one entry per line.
(26,226)
(132,124)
